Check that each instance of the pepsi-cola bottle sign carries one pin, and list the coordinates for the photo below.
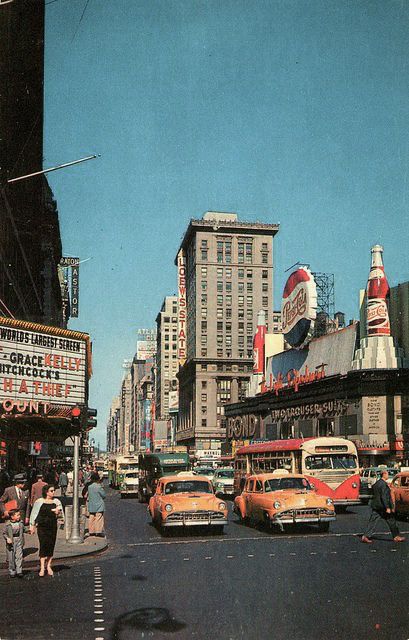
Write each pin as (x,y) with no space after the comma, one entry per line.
(299,308)
(377,294)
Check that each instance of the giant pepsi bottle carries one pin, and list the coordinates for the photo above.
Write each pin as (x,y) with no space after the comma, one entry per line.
(377,293)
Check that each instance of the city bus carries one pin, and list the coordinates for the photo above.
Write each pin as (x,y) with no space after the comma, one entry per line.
(153,466)
(117,468)
(331,465)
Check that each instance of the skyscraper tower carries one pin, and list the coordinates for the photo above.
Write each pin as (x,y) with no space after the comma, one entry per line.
(228,278)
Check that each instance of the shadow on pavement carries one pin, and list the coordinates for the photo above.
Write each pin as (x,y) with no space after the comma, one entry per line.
(145,619)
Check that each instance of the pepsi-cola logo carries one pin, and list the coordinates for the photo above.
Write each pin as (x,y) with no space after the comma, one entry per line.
(294,308)
(299,307)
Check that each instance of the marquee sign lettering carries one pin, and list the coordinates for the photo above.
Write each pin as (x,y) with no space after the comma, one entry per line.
(39,367)
(182,316)
(299,308)
(242,427)
(328,409)
(293,379)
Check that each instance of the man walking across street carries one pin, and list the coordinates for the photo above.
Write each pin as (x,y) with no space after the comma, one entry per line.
(382,509)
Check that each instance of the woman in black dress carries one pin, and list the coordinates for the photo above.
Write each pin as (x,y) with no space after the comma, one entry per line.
(44,516)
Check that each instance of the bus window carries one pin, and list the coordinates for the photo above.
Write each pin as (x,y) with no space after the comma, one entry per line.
(318,462)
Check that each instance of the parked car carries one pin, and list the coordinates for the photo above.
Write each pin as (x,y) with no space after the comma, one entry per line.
(223,482)
(187,501)
(368,478)
(129,484)
(400,493)
(281,498)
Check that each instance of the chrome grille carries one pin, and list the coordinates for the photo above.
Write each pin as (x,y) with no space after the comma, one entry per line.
(196,516)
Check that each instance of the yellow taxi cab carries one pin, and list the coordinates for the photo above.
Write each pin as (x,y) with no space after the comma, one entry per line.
(187,500)
(282,498)
(400,493)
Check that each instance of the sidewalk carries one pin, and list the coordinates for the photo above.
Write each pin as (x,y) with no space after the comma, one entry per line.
(62,548)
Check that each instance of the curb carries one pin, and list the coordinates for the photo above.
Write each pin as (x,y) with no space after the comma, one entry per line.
(56,559)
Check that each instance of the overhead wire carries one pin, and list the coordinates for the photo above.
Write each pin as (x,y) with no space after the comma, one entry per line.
(81,19)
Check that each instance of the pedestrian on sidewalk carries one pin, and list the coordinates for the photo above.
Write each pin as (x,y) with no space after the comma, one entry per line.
(37,489)
(44,515)
(96,506)
(63,483)
(14,536)
(383,508)
(18,495)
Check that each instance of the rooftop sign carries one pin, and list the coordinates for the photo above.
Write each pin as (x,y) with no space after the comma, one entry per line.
(299,308)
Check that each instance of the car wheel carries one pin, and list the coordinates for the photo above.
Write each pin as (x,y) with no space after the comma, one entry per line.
(323,527)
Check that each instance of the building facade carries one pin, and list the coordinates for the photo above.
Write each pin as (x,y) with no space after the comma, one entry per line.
(167,364)
(30,243)
(228,278)
(320,391)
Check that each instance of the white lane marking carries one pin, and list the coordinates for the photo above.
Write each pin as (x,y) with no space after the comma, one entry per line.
(353,552)
(98,599)
(272,555)
(99,638)
(293,554)
(208,557)
(335,552)
(373,550)
(266,538)
(313,553)
(99,628)
(250,555)
(393,550)
(185,559)
(142,561)
(99,620)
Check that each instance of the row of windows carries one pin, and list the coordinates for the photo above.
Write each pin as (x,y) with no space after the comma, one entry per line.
(227,353)
(226,273)
(227,286)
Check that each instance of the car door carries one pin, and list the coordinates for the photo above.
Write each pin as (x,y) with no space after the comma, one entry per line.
(257,501)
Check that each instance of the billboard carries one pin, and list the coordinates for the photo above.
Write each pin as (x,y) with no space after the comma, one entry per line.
(299,308)
(145,349)
(41,366)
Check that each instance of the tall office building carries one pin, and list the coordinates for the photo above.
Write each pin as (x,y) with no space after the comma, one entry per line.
(225,276)
(166,355)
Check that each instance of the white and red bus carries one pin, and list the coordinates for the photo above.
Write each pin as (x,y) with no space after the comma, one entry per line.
(331,465)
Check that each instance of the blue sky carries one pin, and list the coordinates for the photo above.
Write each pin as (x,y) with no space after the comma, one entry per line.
(283,111)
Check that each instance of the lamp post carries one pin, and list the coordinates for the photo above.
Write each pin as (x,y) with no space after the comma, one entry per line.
(75,537)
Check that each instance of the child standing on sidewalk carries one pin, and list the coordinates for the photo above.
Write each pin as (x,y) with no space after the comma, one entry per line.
(14,536)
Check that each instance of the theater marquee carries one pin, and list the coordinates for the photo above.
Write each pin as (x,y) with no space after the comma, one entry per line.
(41,366)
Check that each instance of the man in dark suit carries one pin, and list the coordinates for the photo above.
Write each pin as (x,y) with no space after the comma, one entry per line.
(382,509)
(20,494)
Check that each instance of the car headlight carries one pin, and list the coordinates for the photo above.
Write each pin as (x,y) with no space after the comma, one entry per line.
(222,505)
(354,485)
(330,501)
(168,507)
(219,485)
(277,504)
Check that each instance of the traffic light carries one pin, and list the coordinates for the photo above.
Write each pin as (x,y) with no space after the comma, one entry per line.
(76,417)
(91,421)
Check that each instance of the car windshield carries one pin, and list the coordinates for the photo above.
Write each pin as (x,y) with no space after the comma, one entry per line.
(131,474)
(225,473)
(345,461)
(278,484)
(193,486)
(204,472)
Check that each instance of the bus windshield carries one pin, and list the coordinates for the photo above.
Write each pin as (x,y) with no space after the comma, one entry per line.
(337,461)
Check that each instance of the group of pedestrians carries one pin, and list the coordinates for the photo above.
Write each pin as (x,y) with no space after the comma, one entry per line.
(38,507)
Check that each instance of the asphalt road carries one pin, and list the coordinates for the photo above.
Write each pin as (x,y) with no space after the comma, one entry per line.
(246,584)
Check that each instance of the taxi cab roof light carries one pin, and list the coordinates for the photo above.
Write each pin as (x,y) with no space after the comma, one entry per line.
(280,471)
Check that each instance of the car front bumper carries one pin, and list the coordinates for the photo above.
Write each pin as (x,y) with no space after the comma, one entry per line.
(298,516)
(194,520)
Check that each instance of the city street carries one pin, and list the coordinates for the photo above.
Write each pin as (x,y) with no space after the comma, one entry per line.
(247,583)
